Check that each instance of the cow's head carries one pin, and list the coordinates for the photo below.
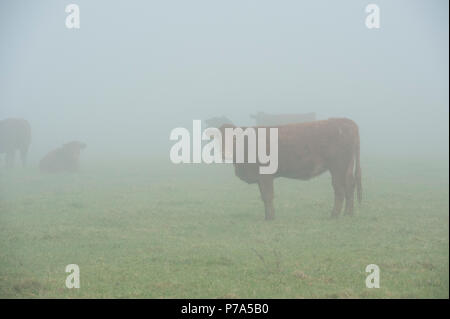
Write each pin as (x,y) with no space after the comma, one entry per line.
(217,121)
(74,147)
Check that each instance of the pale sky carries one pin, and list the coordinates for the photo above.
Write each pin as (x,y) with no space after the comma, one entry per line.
(137,69)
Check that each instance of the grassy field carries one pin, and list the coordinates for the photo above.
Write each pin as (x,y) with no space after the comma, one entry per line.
(196,231)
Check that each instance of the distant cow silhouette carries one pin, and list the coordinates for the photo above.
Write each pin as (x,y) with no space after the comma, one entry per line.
(264,119)
(15,134)
(306,150)
(62,159)
(217,121)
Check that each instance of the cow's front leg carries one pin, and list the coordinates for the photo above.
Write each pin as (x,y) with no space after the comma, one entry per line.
(10,154)
(266,189)
(338,182)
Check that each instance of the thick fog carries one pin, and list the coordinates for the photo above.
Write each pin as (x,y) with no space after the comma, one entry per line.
(137,69)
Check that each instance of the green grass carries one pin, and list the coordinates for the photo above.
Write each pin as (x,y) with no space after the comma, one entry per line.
(158,230)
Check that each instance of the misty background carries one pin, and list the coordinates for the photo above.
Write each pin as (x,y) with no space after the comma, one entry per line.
(137,69)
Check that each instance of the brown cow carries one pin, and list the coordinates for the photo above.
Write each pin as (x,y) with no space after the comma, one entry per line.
(306,150)
(62,159)
(15,134)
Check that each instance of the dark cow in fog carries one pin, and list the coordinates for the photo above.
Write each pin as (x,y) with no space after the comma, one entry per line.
(306,150)
(217,121)
(62,159)
(15,134)
(264,119)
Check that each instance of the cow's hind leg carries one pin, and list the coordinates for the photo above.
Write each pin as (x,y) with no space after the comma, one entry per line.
(349,189)
(266,189)
(23,155)
(338,182)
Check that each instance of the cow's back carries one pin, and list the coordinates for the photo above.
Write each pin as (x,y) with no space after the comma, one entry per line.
(306,150)
(263,119)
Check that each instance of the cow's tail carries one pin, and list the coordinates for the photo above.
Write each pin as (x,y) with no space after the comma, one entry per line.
(358,170)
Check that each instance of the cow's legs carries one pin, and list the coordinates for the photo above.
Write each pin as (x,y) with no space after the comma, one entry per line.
(338,182)
(349,189)
(10,158)
(266,189)
(23,155)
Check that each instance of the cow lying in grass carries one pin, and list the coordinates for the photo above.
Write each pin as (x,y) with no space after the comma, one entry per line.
(62,159)
(306,150)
